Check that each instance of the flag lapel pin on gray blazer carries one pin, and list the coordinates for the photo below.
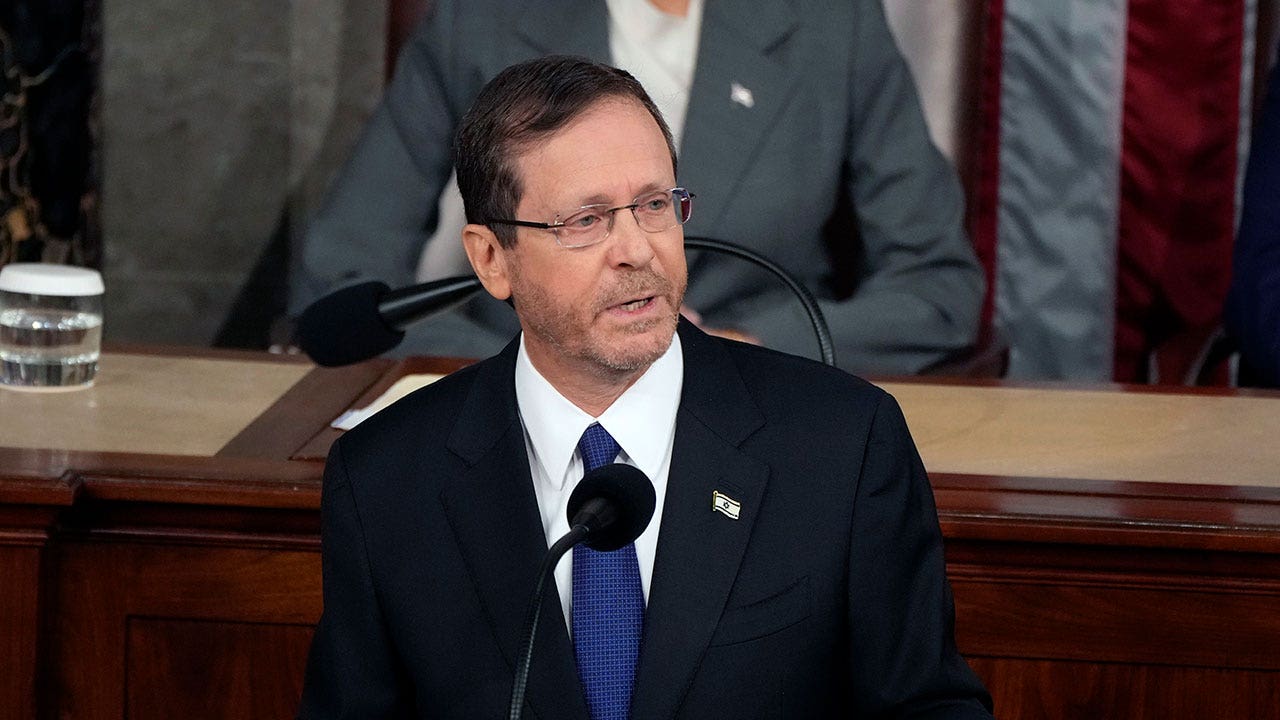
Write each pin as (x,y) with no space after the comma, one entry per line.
(741,95)
(724,504)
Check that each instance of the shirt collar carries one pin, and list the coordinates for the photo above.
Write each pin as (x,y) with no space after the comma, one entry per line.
(641,420)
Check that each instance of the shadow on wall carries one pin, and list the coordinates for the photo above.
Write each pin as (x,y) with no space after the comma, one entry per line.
(256,318)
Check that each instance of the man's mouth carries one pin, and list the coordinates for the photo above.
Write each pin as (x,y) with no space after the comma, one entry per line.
(634,305)
(636,294)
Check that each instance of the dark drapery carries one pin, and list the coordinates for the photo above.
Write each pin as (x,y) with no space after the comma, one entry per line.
(48,168)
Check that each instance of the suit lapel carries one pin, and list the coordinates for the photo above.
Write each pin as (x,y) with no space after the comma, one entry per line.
(740,87)
(699,551)
(567,27)
(493,512)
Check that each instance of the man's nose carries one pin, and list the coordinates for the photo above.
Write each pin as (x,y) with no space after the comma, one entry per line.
(630,245)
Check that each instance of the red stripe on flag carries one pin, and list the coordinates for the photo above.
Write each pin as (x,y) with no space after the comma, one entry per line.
(1178,180)
(984,196)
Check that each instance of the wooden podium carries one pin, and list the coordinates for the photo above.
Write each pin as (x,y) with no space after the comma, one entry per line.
(159,543)
(1114,553)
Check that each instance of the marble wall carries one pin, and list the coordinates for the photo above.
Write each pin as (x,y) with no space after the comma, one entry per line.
(221,125)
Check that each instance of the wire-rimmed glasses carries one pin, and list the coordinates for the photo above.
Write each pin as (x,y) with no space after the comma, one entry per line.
(654,212)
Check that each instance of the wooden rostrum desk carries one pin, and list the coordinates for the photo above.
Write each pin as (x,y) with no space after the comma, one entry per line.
(1114,552)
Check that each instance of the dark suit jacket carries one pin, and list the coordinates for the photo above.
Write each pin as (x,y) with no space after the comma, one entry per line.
(826,598)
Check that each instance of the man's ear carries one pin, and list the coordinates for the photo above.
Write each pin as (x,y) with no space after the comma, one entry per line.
(488,259)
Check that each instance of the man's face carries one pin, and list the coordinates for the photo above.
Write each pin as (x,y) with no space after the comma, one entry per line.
(611,307)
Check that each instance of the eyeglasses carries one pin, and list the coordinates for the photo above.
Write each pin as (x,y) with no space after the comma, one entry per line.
(654,212)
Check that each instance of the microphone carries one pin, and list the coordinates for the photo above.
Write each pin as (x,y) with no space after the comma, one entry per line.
(609,508)
(362,321)
(614,504)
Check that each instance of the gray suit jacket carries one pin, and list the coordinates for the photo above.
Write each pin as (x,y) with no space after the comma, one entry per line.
(829,172)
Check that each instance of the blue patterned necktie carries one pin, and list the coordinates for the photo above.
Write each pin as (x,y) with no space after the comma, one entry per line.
(608,607)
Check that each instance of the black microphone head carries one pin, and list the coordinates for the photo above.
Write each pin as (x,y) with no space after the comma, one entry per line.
(345,326)
(616,503)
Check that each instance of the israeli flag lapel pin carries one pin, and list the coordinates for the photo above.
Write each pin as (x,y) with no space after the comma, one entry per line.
(722,503)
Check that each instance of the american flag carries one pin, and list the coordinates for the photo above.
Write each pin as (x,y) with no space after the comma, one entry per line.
(1102,143)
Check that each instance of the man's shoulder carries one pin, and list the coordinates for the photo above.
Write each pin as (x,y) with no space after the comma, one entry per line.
(801,390)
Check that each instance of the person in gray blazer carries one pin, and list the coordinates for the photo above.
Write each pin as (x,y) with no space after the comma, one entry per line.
(803,139)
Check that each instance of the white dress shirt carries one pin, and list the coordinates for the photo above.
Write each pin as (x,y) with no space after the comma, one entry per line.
(643,422)
(660,50)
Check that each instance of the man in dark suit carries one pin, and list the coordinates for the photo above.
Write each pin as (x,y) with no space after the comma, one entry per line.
(794,567)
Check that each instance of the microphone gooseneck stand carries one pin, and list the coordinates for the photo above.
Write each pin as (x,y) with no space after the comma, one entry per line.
(525,658)
(816,319)
(361,321)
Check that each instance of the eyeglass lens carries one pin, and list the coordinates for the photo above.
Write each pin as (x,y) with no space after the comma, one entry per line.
(654,212)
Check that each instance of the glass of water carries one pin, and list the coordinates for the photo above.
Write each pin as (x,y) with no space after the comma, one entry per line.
(50,326)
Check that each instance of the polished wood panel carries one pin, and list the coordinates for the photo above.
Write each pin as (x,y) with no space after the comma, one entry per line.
(20,604)
(185,669)
(1202,620)
(107,588)
(1058,513)
(1118,585)
(28,512)
(1047,690)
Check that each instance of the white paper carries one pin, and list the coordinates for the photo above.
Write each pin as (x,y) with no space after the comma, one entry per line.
(402,387)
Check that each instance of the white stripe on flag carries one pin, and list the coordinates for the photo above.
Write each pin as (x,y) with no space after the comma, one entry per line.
(1061,107)
(1248,55)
